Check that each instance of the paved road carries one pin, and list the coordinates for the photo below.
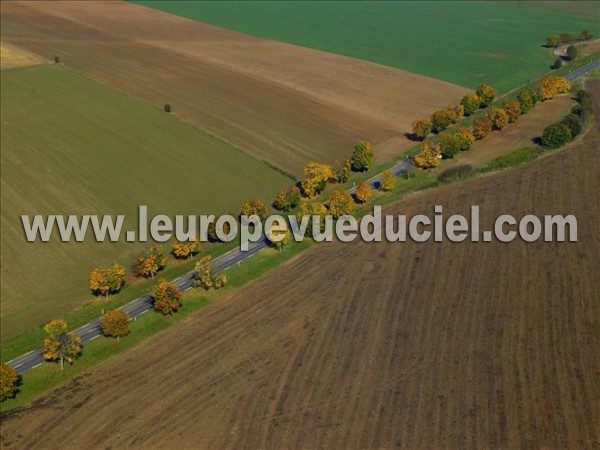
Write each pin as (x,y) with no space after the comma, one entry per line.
(143,304)
(583,70)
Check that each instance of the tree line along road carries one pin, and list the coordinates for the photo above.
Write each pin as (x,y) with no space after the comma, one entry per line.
(144,304)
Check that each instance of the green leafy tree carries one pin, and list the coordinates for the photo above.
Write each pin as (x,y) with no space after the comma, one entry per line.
(448,145)
(556,135)
(557,64)
(362,157)
(566,38)
(585,35)
(525,101)
(553,41)
(572,53)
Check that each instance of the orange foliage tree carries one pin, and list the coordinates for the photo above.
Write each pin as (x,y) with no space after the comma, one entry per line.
(482,126)
(499,117)
(166,297)
(513,109)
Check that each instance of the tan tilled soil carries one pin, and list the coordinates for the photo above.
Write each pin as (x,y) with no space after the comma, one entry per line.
(285,104)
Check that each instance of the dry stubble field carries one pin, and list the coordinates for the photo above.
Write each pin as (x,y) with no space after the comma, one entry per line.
(375,345)
(284,104)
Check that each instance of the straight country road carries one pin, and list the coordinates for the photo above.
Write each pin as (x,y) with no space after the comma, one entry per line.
(143,304)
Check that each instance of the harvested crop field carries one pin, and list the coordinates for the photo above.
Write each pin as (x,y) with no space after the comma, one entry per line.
(437,345)
(284,104)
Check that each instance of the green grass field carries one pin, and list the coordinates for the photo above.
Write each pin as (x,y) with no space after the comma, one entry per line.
(73,146)
(461,42)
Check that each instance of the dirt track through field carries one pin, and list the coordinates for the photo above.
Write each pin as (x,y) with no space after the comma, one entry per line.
(284,104)
(360,345)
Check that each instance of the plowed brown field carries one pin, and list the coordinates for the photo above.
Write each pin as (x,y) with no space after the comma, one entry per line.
(283,103)
(436,345)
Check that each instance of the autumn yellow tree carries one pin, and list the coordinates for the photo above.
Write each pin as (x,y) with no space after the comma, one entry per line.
(150,261)
(343,171)
(183,250)
(486,94)
(513,110)
(421,129)
(470,103)
(115,323)
(311,208)
(276,241)
(9,382)
(388,180)
(442,119)
(220,281)
(482,126)
(287,199)
(362,156)
(166,297)
(551,86)
(203,276)
(60,345)
(499,117)
(340,203)
(363,192)
(107,281)
(428,156)
(458,112)
(316,176)
(254,207)
(464,138)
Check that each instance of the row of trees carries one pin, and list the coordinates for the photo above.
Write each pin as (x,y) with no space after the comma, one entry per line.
(444,118)
(555,40)
(496,118)
(567,129)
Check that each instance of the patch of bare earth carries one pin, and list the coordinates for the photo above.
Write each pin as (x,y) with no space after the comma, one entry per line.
(375,345)
(283,103)
(13,56)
